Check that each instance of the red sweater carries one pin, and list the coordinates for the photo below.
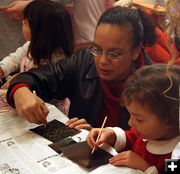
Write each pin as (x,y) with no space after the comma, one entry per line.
(139,146)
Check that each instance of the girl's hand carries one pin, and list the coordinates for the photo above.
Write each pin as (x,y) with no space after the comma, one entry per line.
(129,159)
(107,135)
(78,124)
(1,72)
(30,106)
(6,84)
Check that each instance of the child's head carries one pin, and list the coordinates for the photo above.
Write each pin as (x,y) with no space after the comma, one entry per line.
(50,29)
(154,115)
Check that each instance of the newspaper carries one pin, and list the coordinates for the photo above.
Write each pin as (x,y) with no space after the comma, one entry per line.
(24,152)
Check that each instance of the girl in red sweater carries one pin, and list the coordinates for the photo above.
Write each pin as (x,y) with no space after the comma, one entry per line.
(154,119)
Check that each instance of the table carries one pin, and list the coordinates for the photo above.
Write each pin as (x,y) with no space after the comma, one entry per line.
(25,152)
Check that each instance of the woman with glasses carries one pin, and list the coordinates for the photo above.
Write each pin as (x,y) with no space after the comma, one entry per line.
(93,78)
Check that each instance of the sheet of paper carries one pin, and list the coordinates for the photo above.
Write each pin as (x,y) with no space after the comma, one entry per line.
(26,152)
(110,169)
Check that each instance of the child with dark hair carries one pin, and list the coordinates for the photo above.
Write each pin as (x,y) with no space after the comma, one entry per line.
(48,30)
(154,118)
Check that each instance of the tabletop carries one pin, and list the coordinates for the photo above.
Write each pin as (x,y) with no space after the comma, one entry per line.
(25,152)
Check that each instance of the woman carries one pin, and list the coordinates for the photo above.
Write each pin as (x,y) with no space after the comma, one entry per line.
(93,78)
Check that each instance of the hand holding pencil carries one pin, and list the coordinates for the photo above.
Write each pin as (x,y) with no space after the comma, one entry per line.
(98,136)
(94,136)
(99,133)
(29,106)
(42,107)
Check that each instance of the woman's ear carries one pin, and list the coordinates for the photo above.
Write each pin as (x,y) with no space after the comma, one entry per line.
(136,52)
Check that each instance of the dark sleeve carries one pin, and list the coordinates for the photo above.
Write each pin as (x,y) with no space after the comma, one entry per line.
(56,80)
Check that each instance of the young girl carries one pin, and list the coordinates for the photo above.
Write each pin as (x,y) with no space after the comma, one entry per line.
(154,118)
(47,28)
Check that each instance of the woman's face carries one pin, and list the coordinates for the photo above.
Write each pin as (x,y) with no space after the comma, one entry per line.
(26,30)
(113,38)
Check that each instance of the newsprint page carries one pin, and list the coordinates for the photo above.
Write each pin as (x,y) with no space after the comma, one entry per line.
(24,152)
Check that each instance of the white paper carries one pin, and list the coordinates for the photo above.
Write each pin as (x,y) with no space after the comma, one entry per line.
(29,153)
(110,169)
(24,150)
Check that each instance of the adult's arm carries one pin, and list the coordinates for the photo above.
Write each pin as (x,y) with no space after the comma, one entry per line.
(50,81)
(15,9)
(56,80)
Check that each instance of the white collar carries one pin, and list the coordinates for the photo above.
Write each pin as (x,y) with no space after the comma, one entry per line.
(162,147)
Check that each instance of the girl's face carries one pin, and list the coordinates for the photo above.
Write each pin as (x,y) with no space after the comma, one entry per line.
(110,39)
(26,30)
(147,124)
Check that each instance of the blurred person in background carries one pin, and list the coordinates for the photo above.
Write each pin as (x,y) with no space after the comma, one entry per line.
(85,14)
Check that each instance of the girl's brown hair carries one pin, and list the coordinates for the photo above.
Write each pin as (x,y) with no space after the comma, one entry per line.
(147,86)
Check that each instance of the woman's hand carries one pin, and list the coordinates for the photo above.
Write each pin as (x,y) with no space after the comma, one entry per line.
(78,124)
(107,135)
(129,159)
(30,106)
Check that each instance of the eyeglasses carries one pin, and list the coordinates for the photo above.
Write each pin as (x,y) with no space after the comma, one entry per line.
(111,55)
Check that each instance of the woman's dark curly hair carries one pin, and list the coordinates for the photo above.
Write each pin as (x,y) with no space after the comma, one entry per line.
(135,20)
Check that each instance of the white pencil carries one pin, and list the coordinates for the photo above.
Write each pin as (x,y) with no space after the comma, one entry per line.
(99,133)
(34,92)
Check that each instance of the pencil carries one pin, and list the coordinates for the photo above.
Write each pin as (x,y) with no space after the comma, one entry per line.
(34,92)
(99,133)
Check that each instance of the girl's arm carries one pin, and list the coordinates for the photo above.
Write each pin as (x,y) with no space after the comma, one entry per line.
(124,139)
(11,63)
